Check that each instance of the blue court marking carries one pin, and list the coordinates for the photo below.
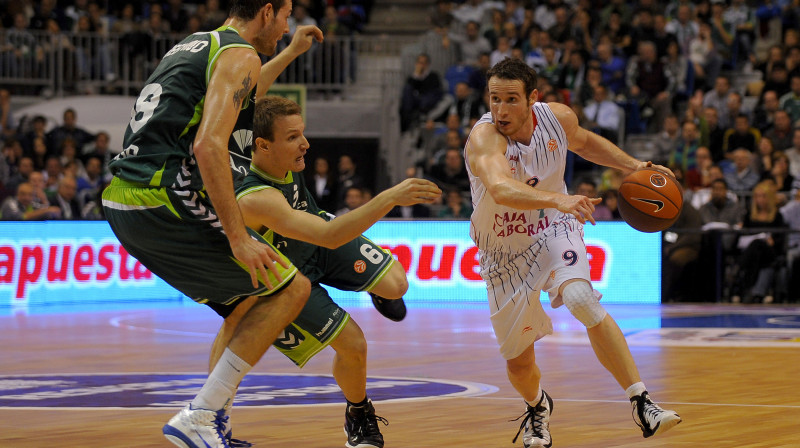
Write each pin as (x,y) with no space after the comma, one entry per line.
(734,320)
(174,390)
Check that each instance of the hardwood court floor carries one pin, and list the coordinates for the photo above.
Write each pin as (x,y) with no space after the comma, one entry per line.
(728,395)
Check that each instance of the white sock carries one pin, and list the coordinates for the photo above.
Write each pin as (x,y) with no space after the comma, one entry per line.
(221,384)
(635,389)
(538,397)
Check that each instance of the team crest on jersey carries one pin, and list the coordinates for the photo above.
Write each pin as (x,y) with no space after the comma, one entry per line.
(359,266)
(533,181)
(552,145)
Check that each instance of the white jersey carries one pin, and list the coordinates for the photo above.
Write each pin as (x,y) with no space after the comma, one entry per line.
(498,228)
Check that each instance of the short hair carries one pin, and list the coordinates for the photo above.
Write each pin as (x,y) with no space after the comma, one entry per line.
(247,9)
(720,181)
(515,70)
(268,110)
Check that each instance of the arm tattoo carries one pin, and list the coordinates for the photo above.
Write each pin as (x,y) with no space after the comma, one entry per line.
(240,94)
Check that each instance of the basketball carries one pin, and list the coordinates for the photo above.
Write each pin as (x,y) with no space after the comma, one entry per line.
(650,200)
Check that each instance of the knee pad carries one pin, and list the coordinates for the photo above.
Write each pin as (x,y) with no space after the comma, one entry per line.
(582,303)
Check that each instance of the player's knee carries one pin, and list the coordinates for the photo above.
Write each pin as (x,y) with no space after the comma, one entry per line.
(298,291)
(394,284)
(351,342)
(582,303)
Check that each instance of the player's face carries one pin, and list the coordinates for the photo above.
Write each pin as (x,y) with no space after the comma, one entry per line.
(511,108)
(277,25)
(290,145)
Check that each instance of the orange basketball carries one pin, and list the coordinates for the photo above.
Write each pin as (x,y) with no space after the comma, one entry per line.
(650,200)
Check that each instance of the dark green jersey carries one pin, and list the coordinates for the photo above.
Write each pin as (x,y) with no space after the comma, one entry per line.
(159,137)
(293,188)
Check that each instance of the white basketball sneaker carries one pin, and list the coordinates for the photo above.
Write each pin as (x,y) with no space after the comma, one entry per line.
(535,426)
(197,428)
(650,417)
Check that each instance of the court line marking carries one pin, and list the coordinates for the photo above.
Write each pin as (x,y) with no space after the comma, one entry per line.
(677,403)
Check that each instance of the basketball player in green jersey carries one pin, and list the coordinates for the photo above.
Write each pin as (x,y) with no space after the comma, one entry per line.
(172,204)
(275,201)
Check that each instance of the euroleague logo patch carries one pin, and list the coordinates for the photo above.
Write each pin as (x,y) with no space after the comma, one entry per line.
(552,145)
(161,390)
(359,266)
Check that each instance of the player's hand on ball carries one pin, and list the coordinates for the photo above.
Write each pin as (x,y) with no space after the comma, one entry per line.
(578,206)
(661,168)
(415,191)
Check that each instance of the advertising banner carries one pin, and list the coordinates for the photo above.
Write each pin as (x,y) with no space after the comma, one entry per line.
(56,262)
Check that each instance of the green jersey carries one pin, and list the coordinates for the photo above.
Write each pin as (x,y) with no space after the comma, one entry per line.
(293,188)
(158,142)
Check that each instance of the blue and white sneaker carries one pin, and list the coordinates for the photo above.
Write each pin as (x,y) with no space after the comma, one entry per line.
(197,428)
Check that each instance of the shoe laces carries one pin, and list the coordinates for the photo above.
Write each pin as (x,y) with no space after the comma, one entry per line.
(367,422)
(535,416)
(648,411)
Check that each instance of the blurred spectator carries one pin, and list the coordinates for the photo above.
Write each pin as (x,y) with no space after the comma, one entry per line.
(742,20)
(680,250)
(37,130)
(722,32)
(650,85)
(760,250)
(23,208)
(214,15)
(414,211)
(36,179)
(495,28)
(502,51)
(764,113)
(40,153)
(668,139)
(451,173)
(588,187)
(21,48)
(92,176)
(743,178)
(552,68)
(455,206)
(477,78)
(662,35)
(475,10)
(19,176)
(545,14)
(69,129)
(777,80)
(53,172)
(99,148)
(711,134)
(685,152)
(443,137)
(779,173)
(442,46)
(603,115)
(702,195)
(8,127)
(791,216)
(66,198)
(473,44)
(706,61)
(775,55)
(620,34)
(561,30)
(741,136)
(790,102)
(422,93)
(612,68)
(353,198)
(12,154)
(593,79)
(126,22)
(347,177)
(699,175)
(683,27)
(322,184)
(69,155)
(721,212)
(465,104)
(176,15)
(718,99)
(45,12)
(781,132)
(763,158)
(793,153)
(608,210)
(573,74)
(677,68)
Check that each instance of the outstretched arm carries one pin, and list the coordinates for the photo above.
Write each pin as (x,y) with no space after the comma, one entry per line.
(595,148)
(485,153)
(301,42)
(268,208)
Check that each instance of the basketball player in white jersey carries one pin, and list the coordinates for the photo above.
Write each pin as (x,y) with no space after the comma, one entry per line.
(530,234)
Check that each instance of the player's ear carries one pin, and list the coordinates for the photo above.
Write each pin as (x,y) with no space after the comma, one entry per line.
(267,11)
(534,97)
(261,143)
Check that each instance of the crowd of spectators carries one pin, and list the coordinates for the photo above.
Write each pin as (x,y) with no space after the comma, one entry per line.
(714,84)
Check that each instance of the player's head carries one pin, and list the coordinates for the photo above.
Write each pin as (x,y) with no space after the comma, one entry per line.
(512,92)
(278,134)
(273,15)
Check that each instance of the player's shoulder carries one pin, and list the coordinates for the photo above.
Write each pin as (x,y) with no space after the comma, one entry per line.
(485,137)
(565,115)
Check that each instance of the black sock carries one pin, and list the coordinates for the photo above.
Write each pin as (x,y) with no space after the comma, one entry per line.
(360,404)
